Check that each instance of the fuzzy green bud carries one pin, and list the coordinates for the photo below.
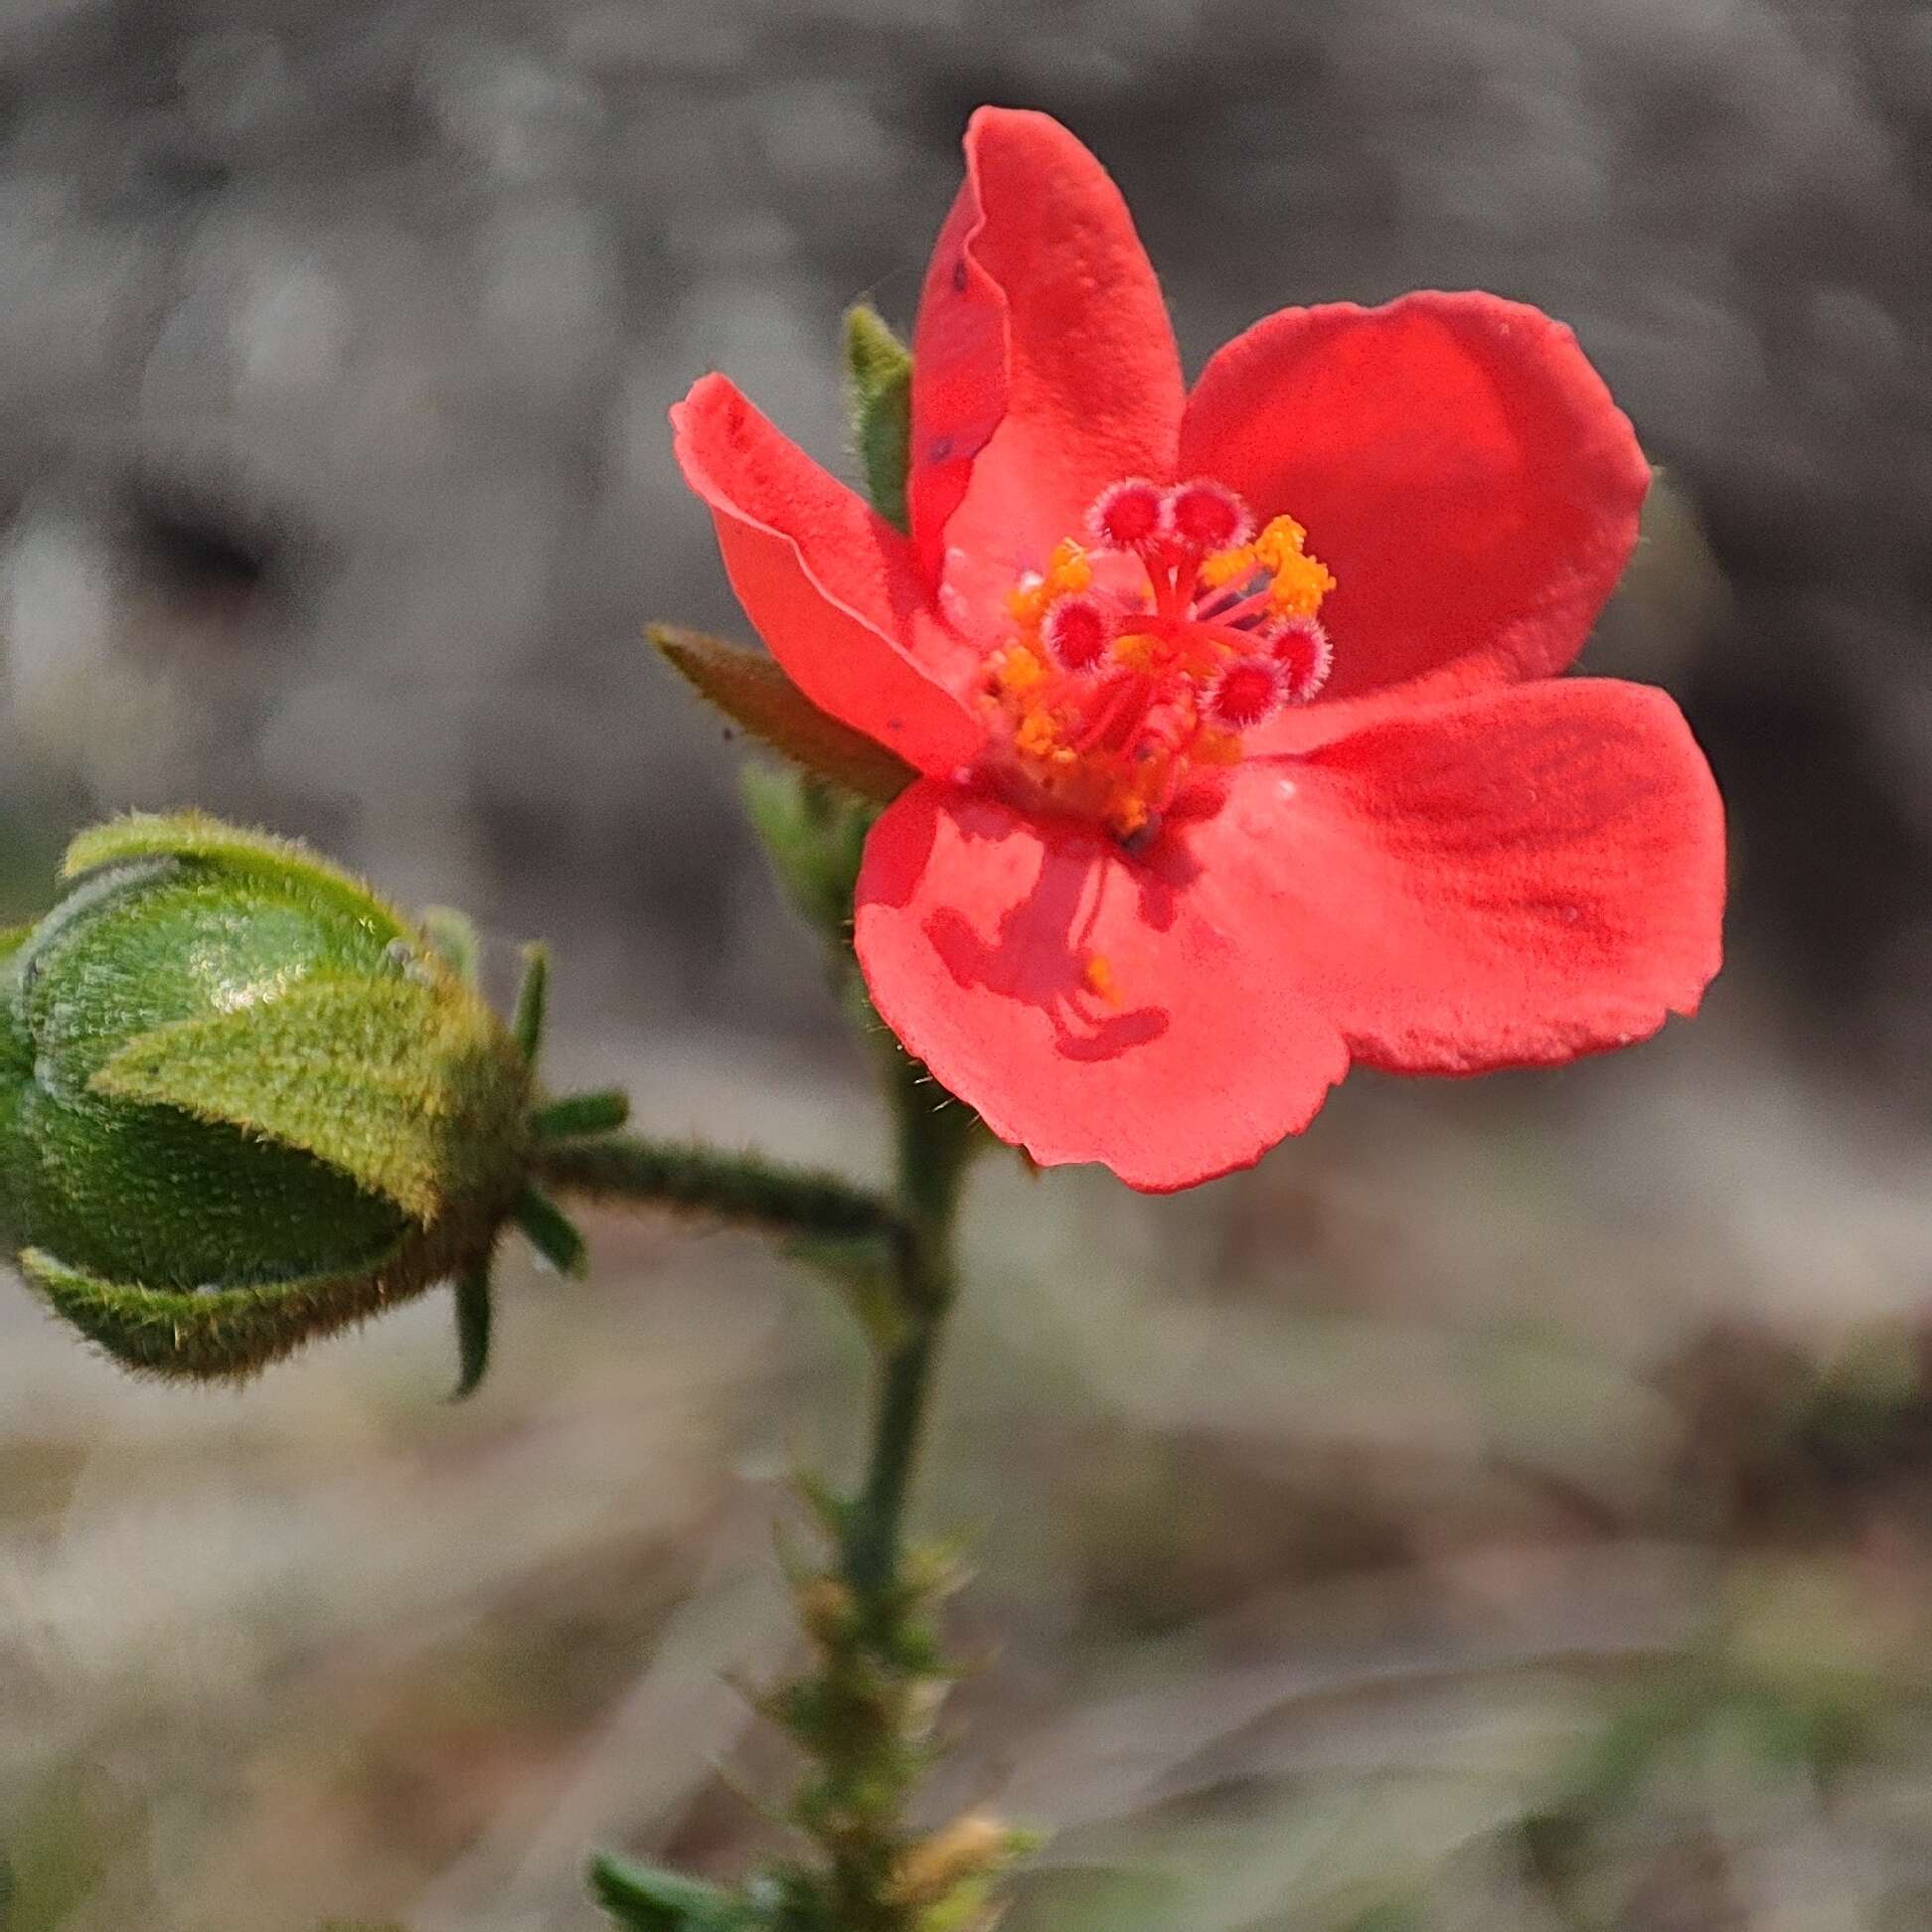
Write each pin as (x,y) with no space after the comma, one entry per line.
(878,377)
(242,1102)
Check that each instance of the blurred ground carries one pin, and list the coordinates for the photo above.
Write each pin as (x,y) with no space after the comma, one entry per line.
(1332,1518)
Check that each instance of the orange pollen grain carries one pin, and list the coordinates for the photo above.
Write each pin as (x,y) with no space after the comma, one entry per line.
(1018,671)
(1100,981)
(1038,735)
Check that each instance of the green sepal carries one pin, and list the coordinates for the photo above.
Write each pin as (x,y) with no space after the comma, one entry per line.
(577,1115)
(815,838)
(475,1316)
(196,837)
(453,936)
(211,1333)
(533,1004)
(878,368)
(551,1231)
(649,1900)
(403,1084)
(753,689)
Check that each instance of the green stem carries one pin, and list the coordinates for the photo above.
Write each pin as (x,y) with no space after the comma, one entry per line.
(872,1555)
(934,1146)
(872,1695)
(741,1188)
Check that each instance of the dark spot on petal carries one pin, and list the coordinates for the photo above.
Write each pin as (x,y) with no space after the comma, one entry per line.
(959,276)
(939,449)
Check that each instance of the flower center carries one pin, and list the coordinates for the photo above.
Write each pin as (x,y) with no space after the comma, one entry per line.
(1140,656)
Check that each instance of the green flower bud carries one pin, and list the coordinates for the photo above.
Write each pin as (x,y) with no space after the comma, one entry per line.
(244,1102)
(878,376)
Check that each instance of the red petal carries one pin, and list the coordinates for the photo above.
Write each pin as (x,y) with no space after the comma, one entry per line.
(1043,366)
(833,589)
(1509,879)
(1459,465)
(1185,1054)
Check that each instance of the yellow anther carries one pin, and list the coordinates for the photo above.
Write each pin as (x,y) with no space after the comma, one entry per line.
(1300,584)
(1222,567)
(1127,815)
(1217,749)
(1018,671)
(1038,735)
(1136,651)
(1298,581)
(1281,538)
(1069,570)
(1099,977)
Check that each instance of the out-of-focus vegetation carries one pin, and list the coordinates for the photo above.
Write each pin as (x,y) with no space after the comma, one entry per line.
(1505,1505)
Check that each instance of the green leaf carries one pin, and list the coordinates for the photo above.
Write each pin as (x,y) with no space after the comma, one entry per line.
(753,689)
(880,369)
(64,1831)
(405,1084)
(649,1900)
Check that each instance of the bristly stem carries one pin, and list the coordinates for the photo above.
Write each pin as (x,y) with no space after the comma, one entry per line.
(744,1188)
(865,1713)
(934,1144)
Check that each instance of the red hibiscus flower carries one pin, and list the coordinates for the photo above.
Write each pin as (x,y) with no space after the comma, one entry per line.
(1244,754)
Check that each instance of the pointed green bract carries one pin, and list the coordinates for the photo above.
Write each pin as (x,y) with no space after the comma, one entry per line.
(475,1317)
(751,689)
(645,1899)
(578,1115)
(878,368)
(403,1084)
(533,1004)
(551,1231)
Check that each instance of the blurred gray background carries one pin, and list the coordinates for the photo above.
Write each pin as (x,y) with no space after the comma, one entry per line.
(1326,1515)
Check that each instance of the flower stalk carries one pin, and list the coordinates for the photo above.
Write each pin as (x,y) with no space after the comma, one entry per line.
(744,1188)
